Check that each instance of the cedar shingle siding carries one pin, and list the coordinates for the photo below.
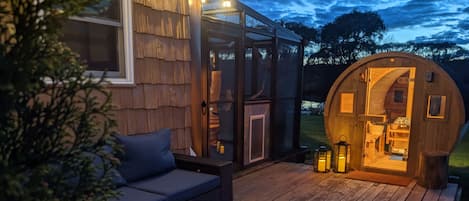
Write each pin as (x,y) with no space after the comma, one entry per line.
(161,95)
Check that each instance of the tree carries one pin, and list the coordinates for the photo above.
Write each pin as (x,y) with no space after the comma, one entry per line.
(308,33)
(54,122)
(348,38)
(441,53)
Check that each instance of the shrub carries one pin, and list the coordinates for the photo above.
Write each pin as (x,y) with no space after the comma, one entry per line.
(52,117)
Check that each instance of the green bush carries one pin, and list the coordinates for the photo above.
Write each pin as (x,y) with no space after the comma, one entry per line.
(51,116)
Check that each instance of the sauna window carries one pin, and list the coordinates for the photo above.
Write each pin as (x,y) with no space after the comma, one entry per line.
(102,37)
(346,103)
(436,106)
(398,96)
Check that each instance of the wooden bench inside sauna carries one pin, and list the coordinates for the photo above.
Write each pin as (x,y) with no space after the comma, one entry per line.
(386,140)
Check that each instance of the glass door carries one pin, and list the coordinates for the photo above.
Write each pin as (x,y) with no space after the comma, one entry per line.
(257,101)
(389,99)
(220,105)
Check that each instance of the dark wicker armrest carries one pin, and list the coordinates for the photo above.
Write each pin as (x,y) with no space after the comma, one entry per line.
(199,164)
(224,169)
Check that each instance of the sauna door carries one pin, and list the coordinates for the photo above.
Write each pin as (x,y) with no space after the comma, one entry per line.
(218,107)
(388,113)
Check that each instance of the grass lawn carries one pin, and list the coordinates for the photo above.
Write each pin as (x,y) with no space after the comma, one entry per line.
(459,165)
(312,134)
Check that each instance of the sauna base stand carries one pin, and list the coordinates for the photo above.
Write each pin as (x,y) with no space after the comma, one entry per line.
(434,173)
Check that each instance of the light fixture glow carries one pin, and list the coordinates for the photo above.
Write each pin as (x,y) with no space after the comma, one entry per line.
(203,1)
(226,3)
(323,159)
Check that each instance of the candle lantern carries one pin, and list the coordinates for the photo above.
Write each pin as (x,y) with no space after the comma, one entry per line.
(322,157)
(342,157)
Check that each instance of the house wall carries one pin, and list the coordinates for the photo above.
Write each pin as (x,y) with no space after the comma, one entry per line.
(161,95)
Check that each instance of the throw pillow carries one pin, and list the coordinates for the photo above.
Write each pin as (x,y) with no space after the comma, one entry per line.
(146,155)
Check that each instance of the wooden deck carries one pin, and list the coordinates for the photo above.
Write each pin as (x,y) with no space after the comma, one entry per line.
(291,181)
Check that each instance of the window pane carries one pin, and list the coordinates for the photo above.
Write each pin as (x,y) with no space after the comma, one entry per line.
(222,83)
(284,125)
(257,77)
(257,137)
(346,102)
(247,73)
(287,70)
(263,75)
(257,24)
(96,44)
(105,9)
(436,107)
(398,96)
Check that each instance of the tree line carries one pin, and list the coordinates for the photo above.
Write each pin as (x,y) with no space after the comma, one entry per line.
(355,35)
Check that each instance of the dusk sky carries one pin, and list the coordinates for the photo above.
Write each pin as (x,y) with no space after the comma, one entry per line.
(405,20)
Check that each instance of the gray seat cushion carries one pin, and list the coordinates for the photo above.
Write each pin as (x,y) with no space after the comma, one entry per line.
(146,155)
(99,166)
(179,184)
(131,194)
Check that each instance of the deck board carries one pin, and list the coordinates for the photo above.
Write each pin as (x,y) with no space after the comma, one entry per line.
(403,192)
(449,193)
(297,182)
(387,193)
(305,189)
(432,195)
(372,192)
(417,193)
(362,189)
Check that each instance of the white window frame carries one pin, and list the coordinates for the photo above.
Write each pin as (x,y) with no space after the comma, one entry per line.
(127,30)
(251,119)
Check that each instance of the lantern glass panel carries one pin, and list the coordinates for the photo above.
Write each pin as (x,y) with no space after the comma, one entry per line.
(342,157)
(323,159)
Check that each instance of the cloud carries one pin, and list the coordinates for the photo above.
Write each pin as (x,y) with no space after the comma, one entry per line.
(466,10)
(279,9)
(322,17)
(338,9)
(412,13)
(436,19)
(298,18)
(464,25)
(457,33)
(446,36)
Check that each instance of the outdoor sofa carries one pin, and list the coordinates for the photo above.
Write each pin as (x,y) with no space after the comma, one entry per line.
(149,171)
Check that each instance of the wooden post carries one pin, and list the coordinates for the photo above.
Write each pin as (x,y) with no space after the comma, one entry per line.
(434,170)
